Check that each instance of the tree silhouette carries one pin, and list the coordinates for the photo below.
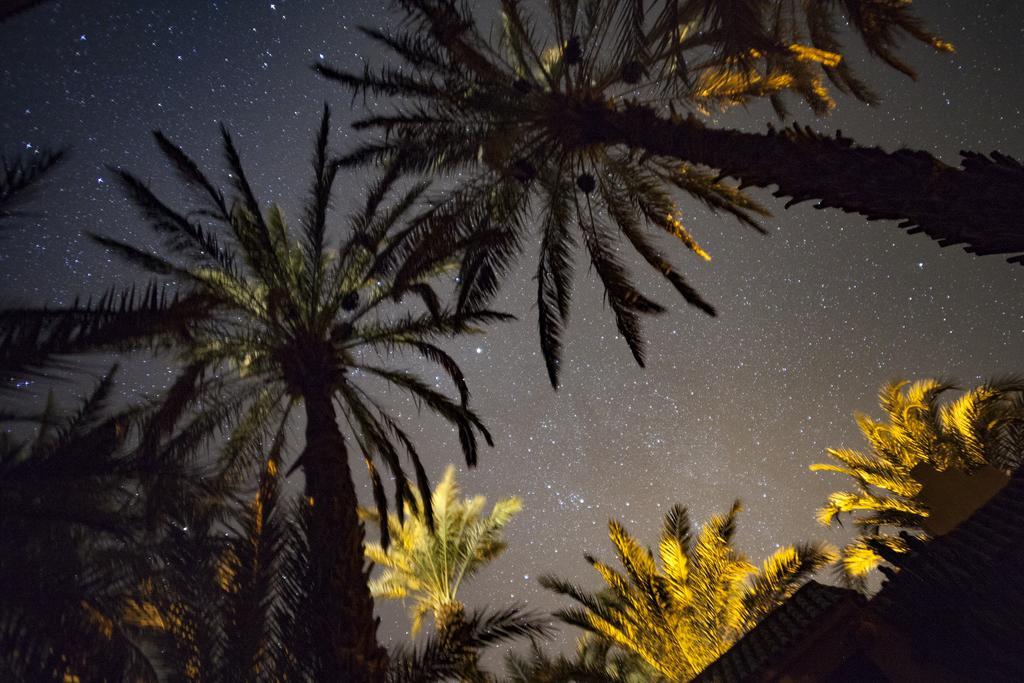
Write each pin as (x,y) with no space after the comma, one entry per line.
(232,600)
(596,660)
(984,426)
(20,175)
(682,616)
(576,128)
(443,658)
(263,322)
(79,502)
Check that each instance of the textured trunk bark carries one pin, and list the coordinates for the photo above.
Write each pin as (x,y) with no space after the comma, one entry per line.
(346,637)
(450,620)
(977,204)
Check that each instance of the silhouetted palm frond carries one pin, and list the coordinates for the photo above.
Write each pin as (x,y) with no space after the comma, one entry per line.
(441,658)
(78,504)
(9,8)
(37,343)
(595,661)
(232,598)
(20,175)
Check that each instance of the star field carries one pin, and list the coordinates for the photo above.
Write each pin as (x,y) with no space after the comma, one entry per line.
(812,319)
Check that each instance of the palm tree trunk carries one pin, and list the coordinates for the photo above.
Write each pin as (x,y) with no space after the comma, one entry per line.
(977,205)
(450,622)
(346,638)
(449,618)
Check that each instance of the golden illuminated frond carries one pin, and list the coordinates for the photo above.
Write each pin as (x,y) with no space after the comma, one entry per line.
(376,554)
(780,576)
(920,431)
(388,588)
(637,560)
(859,560)
(144,615)
(847,502)
(684,610)
(104,624)
(428,566)
(619,584)
(812,54)
(896,480)
(685,237)
(729,86)
(861,556)
(675,564)
(417,612)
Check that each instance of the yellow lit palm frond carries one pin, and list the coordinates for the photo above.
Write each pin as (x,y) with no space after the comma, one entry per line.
(674,550)
(729,87)
(638,561)
(861,556)
(427,561)
(717,572)
(846,502)
(858,559)
(880,474)
(975,429)
(679,612)
(780,576)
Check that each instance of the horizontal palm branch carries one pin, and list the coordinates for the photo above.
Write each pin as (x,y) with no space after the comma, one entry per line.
(562,126)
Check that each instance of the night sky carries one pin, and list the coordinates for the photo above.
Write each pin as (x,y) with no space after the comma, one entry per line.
(813,319)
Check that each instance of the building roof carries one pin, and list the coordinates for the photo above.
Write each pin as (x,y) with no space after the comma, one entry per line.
(959,598)
(957,601)
(785,627)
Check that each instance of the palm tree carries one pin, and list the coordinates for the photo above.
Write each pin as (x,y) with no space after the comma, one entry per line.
(232,599)
(682,616)
(428,560)
(78,502)
(230,596)
(577,129)
(983,427)
(263,322)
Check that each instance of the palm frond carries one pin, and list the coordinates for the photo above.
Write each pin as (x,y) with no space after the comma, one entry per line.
(680,616)
(440,658)
(519,119)
(964,434)
(21,175)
